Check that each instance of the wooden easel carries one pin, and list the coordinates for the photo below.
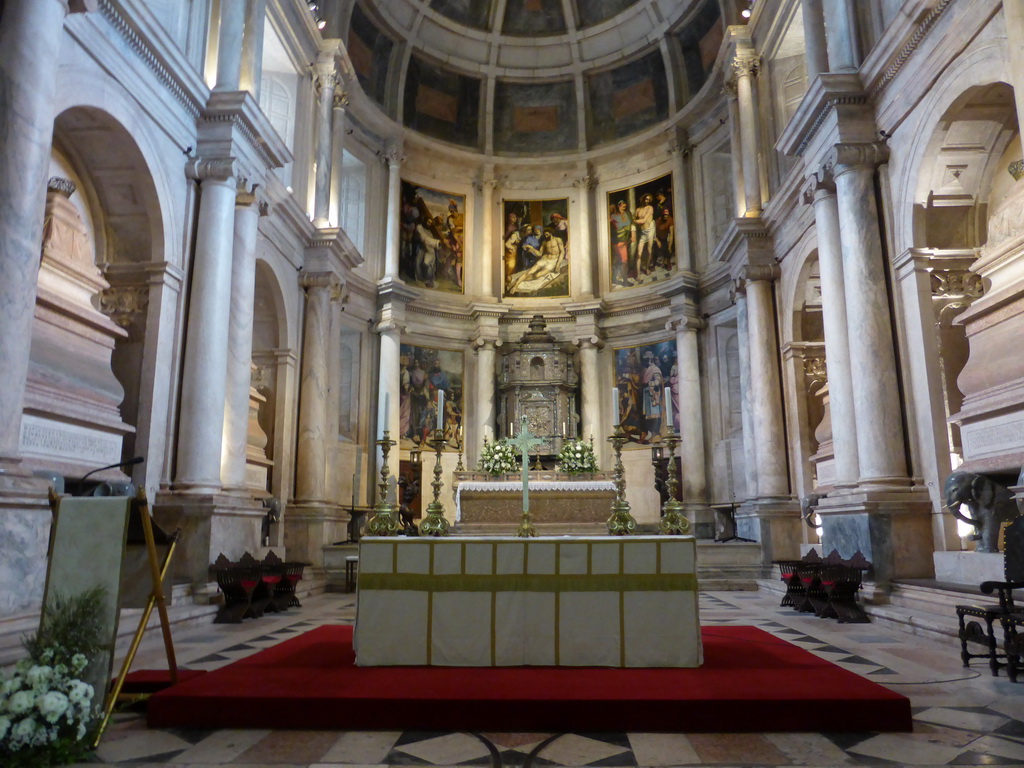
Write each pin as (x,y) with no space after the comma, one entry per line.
(158,572)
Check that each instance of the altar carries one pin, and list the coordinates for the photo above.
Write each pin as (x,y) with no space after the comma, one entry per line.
(551,500)
(548,601)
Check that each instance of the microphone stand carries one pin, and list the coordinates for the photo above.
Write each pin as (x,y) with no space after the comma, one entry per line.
(129,463)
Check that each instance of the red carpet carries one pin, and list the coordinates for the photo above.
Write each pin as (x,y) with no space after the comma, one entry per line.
(750,681)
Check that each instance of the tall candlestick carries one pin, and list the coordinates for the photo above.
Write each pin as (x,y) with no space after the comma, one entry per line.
(668,406)
(440,409)
(615,406)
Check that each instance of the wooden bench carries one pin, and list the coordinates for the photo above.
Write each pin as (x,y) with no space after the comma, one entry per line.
(827,588)
(253,587)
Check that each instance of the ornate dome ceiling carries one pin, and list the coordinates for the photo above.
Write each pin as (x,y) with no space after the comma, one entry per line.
(529,77)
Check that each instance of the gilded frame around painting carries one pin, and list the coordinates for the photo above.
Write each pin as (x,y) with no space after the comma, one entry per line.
(641,233)
(641,374)
(432,235)
(535,248)
(424,371)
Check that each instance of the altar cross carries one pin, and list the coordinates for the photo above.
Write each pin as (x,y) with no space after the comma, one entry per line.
(524,441)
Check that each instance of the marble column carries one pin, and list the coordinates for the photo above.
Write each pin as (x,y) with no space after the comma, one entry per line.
(746,393)
(485,237)
(822,195)
(769,433)
(388,389)
(485,376)
(239,371)
(252,46)
(584,185)
(338,129)
(735,150)
(326,79)
(204,372)
(311,464)
(590,390)
(876,398)
(815,45)
(393,157)
(680,212)
(229,45)
(30,41)
(841,35)
(746,65)
(1013,17)
(689,413)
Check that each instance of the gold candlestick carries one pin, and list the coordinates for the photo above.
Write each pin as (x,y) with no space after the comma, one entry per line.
(673,522)
(621,523)
(383,523)
(435,524)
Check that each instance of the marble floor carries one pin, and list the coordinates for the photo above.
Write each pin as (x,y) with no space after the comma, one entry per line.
(961,716)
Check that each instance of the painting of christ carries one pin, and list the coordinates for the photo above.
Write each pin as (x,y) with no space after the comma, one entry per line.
(431,248)
(535,248)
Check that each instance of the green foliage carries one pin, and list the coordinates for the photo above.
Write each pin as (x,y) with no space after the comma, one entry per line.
(72,625)
(576,457)
(500,457)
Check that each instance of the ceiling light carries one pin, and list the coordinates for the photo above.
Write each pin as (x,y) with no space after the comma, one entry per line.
(745,13)
(321,23)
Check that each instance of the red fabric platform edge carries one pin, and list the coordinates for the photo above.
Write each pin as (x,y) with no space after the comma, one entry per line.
(750,681)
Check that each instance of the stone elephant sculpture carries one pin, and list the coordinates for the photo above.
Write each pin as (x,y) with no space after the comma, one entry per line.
(989,504)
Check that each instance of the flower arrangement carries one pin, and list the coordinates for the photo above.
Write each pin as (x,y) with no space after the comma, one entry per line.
(46,710)
(577,456)
(500,457)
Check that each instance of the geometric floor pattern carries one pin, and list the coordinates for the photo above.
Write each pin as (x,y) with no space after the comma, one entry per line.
(961,716)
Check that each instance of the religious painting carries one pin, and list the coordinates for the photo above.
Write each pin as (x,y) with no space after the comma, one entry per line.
(431,379)
(535,248)
(641,233)
(642,374)
(432,228)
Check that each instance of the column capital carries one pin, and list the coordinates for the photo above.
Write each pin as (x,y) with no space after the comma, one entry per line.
(488,184)
(753,273)
(340,97)
(483,343)
(746,63)
(846,157)
(737,290)
(591,341)
(820,184)
(393,154)
(585,182)
(327,280)
(211,169)
(686,323)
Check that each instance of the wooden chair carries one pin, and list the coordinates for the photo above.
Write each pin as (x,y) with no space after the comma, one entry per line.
(982,632)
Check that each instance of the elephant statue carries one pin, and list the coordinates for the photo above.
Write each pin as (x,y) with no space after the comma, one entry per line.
(808,508)
(989,504)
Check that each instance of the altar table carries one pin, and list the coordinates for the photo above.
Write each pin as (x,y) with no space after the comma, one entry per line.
(548,601)
(551,501)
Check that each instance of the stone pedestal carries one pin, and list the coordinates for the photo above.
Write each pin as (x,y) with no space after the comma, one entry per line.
(892,529)
(775,525)
(968,568)
(210,524)
(24,534)
(308,528)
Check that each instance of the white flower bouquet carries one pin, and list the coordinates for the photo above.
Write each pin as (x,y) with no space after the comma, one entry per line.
(45,711)
(576,457)
(500,457)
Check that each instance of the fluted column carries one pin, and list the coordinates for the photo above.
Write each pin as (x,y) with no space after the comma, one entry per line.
(841,23)
(880,443)
(746,65)
(393,157)
(229,45)
(689,412)
(326,80)
(204,372)
(735,150)
(243,291)
(30,41)
(340,105)
(252,46)
(822,195)
(389,385)
(590,393)
(815,45)
(1013,17)
(485,237)
(485,351)
(739,292)
(769,435)
(311,464)
(584,185)
(680,212)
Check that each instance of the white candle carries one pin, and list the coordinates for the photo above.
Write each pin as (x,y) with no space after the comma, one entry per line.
(440,409)
(355,476)
(615,406)
(668,406)
(387,408)
(355,480)
(563,429)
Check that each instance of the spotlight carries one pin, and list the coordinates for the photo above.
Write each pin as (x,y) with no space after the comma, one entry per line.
(313,8)
(745,13)
(320,23)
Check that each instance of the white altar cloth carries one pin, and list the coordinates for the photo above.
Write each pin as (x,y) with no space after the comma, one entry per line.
(505,486)
(626,601)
